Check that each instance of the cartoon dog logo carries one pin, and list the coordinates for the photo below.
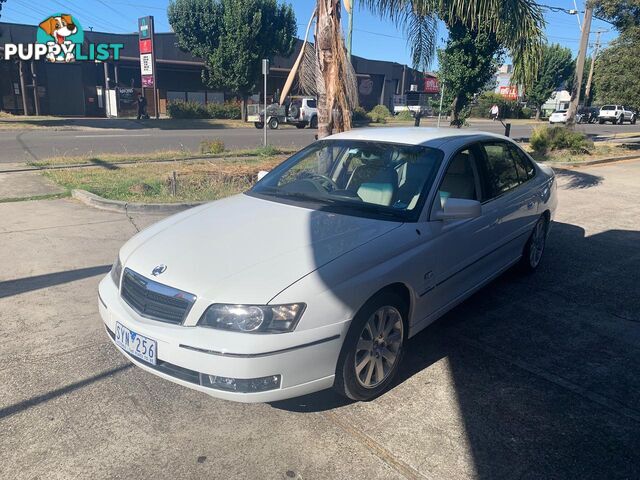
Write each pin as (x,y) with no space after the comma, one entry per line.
(60,27)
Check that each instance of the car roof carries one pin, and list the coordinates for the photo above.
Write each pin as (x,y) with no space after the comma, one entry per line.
(414,135)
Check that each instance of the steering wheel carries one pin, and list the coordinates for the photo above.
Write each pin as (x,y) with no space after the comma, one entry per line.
(324,181)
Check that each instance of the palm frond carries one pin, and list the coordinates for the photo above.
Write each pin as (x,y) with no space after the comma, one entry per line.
(517,24)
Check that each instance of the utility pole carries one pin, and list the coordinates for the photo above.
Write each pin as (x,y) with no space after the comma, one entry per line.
(577,83)
(349,7)
(265,117)
(587,89)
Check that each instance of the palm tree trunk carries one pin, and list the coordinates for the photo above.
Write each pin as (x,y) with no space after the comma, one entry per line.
(333,110)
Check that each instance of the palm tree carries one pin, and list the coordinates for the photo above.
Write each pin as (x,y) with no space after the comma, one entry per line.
(517,25)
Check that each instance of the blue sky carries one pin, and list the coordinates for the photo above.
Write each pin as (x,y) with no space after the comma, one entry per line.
(373,37)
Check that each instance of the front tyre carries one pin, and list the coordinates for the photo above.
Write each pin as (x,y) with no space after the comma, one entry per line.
(373,348)
(534,248)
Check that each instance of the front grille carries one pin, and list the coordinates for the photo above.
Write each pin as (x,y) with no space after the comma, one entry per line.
(154,300)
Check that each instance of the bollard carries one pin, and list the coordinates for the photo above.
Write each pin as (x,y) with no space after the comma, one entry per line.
(507,129)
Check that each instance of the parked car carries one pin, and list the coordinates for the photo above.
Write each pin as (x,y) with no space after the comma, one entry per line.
(298,111)
(318,275)
(587,115)
(559,116)
(616,114)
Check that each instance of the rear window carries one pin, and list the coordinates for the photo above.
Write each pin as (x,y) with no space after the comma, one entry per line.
(560,111)
(608,107)
(311,103)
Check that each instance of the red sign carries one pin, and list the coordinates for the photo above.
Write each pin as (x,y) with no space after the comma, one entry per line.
(147,81)
(431,85)
(145,46)
(510,92)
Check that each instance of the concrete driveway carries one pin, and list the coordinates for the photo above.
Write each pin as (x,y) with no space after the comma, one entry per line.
(534,377)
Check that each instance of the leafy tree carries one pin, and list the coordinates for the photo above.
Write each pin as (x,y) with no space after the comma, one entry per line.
(616,72)
(468,62)
(232,37)
(516,25)
(556,68)
(624,14)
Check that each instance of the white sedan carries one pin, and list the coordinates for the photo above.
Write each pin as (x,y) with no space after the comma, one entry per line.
(559,116)
(318,275)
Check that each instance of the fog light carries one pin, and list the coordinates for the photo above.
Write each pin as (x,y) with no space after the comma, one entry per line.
(241,385)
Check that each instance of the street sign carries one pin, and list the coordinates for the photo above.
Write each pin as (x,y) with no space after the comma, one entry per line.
(265,66)
(145,46)
(148,58)
(146,64)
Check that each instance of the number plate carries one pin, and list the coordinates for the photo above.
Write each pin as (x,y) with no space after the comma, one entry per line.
(137,345)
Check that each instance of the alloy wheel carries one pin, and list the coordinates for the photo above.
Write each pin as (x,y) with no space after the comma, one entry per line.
(538,240)
(378,347)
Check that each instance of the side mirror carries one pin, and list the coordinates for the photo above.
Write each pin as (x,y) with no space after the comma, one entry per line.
(262,174)
(459,209)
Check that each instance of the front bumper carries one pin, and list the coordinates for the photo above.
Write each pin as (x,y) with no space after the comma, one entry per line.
(305,360)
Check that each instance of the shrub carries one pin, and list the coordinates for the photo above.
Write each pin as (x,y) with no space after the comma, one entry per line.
(360,115)
(526,112)
(508,108)
(404,115)
(544,139)
(182,109)
(539,140)
(211,146)
(267,151)
(379,114)
(228,110)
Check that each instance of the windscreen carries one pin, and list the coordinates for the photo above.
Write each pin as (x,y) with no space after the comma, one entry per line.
(356,177)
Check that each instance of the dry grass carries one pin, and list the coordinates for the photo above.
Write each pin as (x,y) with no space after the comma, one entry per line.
(108,160)
(150,183)
(600,151)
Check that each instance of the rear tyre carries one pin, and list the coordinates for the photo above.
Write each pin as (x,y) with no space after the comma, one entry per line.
(621,119)
(273,124)
(258,125)
(533,250)
(314,122)
(373,349)
(601,122)
(301,125)
(633,120)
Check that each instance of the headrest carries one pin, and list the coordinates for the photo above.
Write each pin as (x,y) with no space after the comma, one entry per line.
(460,165)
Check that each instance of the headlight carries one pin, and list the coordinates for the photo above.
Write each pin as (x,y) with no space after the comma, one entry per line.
(253,318)
(116,272)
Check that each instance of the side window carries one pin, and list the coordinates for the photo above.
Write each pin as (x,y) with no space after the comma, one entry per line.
(524,167)
(501,167)
(460,180)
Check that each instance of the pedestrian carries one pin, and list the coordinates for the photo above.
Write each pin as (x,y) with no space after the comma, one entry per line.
(142,107)
(495,112)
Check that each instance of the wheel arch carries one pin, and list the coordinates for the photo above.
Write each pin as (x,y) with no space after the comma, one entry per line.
(402,291)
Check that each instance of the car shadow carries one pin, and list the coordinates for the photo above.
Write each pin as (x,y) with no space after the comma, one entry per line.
(544,366)
(576,179)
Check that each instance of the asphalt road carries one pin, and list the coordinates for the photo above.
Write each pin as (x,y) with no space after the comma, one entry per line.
(533,377)
(28,145)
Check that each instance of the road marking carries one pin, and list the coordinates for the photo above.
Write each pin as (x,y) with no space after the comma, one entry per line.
(115,135)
